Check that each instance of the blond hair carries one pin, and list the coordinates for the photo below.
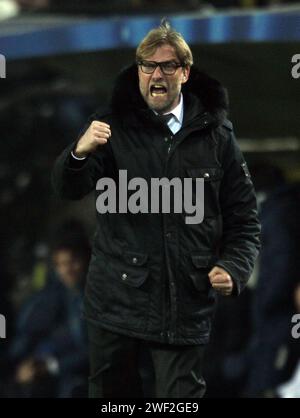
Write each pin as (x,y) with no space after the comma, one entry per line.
(164,34)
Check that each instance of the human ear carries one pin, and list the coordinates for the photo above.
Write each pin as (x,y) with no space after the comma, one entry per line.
(185,74)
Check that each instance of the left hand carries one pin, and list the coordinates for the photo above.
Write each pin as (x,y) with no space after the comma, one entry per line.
(221,281)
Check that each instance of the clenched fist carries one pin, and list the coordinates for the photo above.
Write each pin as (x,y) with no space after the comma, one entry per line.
(221,281)
(97,134)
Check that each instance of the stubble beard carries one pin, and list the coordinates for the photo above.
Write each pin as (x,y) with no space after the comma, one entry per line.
(163,105)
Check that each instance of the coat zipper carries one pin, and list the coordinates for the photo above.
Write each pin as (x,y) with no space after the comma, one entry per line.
(170,333)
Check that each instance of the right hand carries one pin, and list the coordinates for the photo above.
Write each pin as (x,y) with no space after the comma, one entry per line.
(97,134)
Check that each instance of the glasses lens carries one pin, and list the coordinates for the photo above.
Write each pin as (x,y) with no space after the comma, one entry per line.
(168,67)
(148,67)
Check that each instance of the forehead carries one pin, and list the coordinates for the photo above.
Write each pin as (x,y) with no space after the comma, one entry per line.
(62,255)
(163,53)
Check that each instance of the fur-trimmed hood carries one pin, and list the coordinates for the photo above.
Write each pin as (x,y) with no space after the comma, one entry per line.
(213,96)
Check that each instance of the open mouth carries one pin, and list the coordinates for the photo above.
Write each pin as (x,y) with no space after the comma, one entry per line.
(158,90)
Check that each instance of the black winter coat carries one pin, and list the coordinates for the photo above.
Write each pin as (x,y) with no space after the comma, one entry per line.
(148,276)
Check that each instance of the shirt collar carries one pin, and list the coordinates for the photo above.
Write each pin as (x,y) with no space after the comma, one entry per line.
(177,112)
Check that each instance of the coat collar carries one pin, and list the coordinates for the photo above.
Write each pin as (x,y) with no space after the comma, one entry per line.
(212,96)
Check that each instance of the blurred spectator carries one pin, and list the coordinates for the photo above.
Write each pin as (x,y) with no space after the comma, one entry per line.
(225,366)
(270,362)
(291,388)
(49,349)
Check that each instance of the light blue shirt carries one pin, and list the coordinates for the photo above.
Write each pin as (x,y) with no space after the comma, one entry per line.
(175,123)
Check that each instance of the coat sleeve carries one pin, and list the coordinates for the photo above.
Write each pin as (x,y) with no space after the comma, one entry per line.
(73,179)
(240,241)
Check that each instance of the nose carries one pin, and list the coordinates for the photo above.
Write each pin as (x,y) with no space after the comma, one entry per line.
(157,73)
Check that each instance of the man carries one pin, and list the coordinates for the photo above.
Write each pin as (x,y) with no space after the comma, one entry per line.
(50,346)
(153,279)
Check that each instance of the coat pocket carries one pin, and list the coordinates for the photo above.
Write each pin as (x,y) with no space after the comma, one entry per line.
(196,306)
(201,265)
(119,289)
(129,291)
(212,177)
(134,272)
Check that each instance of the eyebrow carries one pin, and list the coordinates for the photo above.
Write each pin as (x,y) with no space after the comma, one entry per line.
(173,61)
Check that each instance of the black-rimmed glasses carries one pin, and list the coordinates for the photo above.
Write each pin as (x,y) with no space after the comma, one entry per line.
(167,67)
